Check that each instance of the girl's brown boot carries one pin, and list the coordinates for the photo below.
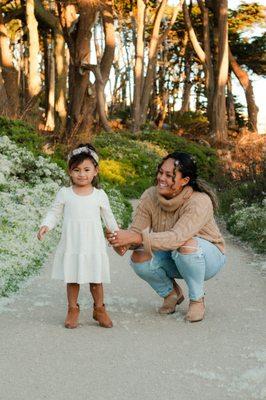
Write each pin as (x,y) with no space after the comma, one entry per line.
(100,315)
(71,321)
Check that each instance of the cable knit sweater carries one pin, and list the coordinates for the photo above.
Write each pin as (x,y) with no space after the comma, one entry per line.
(166,224)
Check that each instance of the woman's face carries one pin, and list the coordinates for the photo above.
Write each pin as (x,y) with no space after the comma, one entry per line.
(165,185)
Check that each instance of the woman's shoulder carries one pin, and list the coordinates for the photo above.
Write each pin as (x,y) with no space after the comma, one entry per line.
(149,195)
(200,198)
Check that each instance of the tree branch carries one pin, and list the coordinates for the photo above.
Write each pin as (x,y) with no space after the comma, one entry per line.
(192,35)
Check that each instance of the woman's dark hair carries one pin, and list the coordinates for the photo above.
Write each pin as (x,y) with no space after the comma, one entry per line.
(76,159)
(186,164)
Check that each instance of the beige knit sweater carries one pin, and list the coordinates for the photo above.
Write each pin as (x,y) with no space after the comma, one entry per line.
(166,224)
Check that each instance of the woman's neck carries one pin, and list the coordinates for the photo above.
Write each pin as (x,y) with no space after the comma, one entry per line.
(174,194)
(173,203)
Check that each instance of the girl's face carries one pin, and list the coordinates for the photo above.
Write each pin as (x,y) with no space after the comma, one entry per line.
(83,174)
(165,185)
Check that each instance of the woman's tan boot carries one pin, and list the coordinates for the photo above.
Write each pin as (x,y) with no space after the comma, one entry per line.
(100,315)
(170,302)
(196,310)
(71,321)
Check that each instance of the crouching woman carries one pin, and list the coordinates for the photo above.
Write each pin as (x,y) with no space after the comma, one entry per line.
(175,235)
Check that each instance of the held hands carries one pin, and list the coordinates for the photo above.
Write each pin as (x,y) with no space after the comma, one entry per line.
(123,238)
(121,250)
(42,231)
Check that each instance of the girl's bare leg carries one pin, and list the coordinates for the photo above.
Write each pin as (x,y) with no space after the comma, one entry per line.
(72,294)
(71,320)
(97,293)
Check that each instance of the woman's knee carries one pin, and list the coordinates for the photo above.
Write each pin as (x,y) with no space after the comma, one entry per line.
(190,246)
(140,256)
(141,267)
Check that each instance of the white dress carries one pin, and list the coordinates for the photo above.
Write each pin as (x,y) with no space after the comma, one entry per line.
(81,255)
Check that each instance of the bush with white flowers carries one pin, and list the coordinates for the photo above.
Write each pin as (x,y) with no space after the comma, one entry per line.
(249,223)
(28,185)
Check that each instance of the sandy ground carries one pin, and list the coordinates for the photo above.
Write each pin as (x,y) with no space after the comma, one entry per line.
(145,355)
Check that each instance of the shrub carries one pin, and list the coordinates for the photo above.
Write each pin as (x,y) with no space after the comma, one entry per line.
(207,160)
(126,164)
(249,222)
(22,133)
(139,155)
(190,122)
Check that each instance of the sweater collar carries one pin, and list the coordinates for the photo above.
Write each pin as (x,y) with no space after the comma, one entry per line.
(175,202)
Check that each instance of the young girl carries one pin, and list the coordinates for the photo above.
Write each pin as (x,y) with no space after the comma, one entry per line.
(81,253)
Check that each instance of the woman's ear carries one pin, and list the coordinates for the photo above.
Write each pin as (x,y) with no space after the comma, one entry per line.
(185,181)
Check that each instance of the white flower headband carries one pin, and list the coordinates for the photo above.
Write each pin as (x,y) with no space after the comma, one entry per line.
(86,150)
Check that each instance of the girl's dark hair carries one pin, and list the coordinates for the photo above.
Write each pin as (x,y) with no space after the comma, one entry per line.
(186,164)
(77,159)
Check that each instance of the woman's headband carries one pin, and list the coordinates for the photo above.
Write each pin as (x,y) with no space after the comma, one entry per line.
(86,150)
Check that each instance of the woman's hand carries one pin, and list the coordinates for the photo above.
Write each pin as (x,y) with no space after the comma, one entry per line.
(42,231)
(123,238)
(121,250)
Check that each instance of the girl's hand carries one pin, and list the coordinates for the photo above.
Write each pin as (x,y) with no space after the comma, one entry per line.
(124,238)
(42,231)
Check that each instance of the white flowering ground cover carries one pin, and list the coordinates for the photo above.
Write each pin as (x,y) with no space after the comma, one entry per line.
(27,187)
(249,223)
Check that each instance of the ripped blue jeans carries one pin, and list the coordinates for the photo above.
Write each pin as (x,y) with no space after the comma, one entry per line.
(194,268)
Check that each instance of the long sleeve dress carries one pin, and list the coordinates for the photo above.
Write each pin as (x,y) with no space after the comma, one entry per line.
(81,255)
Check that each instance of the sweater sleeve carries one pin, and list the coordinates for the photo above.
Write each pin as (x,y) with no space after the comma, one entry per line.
(56,210)
(107,213)
(142,215)
(195,215)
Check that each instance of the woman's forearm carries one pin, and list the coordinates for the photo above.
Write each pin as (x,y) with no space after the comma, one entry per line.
(124,238)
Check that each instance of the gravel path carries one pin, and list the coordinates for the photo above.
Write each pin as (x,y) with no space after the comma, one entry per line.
(145,356)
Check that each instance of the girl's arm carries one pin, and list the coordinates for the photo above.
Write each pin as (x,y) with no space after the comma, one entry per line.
(107,213)
(53,215)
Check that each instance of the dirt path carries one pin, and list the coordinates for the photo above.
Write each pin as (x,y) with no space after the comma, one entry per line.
(145,356)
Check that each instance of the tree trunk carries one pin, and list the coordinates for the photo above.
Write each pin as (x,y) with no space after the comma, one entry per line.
(246,84)
(187,83)
(9,73)
(50,116)
(34,78)
(46,63)
(139,62)
(231,114)
(208,64)
(156,41)
(60,81)
(85,97)
(219,122)
(4,103)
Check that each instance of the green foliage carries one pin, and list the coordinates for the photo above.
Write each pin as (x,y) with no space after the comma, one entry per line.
(251,53)
(249,222)
(246,15)
(207,160)
(129,161)
(243,206)
(191,122)
(127,164)
(249,192)
(22,134)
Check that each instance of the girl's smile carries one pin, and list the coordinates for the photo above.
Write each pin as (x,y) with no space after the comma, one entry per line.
(83,174)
